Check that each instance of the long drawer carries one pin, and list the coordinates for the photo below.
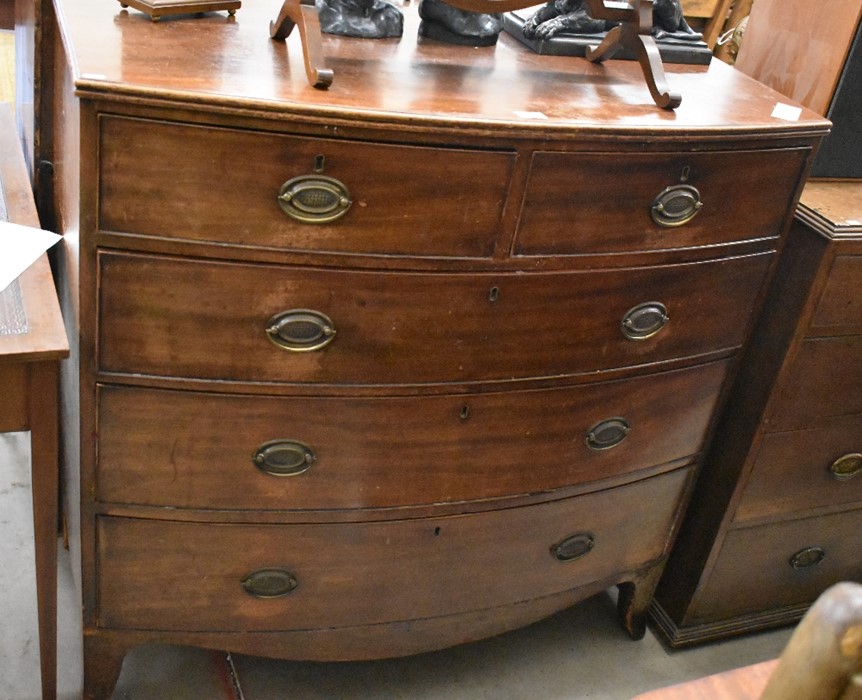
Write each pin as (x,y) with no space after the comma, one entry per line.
(203,319)
(221,185)
(839,309)
(780,565)
(588,203)
(822,382)
(178,449)
(797,471)
(164,575)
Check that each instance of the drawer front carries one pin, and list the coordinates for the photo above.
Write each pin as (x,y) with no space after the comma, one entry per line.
(183,575)
(175,317)
(222,185)
(168,448)
(798,471)
(823,381)
(579,204)
(840,307)
(755,569)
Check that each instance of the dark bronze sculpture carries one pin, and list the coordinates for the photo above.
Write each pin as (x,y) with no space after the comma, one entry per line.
(364,19)
(444,22)
(631,31)
(573,17)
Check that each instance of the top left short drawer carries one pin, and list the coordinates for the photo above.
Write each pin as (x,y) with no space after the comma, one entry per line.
(221,185)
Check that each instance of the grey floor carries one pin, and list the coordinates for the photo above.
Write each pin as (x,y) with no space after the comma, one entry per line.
(580,653)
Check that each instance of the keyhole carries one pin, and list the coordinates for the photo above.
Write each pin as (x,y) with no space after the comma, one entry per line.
(494,294)
(465,412)
(436,532)
(319,163)
(686,172)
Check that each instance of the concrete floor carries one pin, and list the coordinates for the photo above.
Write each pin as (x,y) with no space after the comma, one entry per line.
(578,654)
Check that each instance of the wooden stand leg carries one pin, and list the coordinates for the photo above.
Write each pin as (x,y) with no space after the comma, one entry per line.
(303,13)
(103,660)
(648,56)
(635,34)
(634,599)
(609,46)
(45,480)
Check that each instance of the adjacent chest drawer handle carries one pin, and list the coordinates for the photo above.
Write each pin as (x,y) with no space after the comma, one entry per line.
(644,320)
(314,199)
(284,457)
(269,583)
(573,547)
(676,205)
(607,434)
(300,330)
(810,556)
(846,467)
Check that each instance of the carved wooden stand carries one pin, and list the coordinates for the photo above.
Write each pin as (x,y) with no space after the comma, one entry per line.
(634,33)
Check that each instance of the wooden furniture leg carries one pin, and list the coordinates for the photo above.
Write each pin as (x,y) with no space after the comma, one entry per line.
(634,599)
(43,449)
(304,14)
(103,661)
(635,34)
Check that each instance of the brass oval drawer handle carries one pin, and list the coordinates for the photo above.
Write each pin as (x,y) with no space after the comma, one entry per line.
(810,556)
(269,583)
(284,457)
(573,547)
(314,199)
(300,330)
(676,205)
(644,320)
(608,433)
(846,467)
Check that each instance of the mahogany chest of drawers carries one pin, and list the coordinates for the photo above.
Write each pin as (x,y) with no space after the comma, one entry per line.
(398,365)
(777,515)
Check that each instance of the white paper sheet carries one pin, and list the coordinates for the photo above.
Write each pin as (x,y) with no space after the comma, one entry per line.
(20,247)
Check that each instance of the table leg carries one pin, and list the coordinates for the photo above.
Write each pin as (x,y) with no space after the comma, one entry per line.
(43,411)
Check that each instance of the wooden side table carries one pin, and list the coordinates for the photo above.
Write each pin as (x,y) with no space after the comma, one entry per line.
(32,344)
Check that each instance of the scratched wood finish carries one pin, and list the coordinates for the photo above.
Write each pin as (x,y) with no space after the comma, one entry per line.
(386,452)
(398,328)
(573,206)
(201,196)
(168,141)
(394,567)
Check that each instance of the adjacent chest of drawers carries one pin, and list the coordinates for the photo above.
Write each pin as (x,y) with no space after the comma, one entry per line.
(778,513)
(400,365)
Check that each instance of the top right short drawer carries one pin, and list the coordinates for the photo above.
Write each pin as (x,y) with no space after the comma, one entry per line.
(606,203)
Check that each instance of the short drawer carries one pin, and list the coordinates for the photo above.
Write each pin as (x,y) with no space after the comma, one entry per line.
(163,575)
(823,381)
(840,307)
(805,469)
(202,319)
(780,565)
(203,183)
(167,448)
(586,203)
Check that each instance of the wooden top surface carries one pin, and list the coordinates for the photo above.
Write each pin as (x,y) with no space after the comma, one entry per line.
(407,81)
(745,683)
(833,206)
(46,337)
